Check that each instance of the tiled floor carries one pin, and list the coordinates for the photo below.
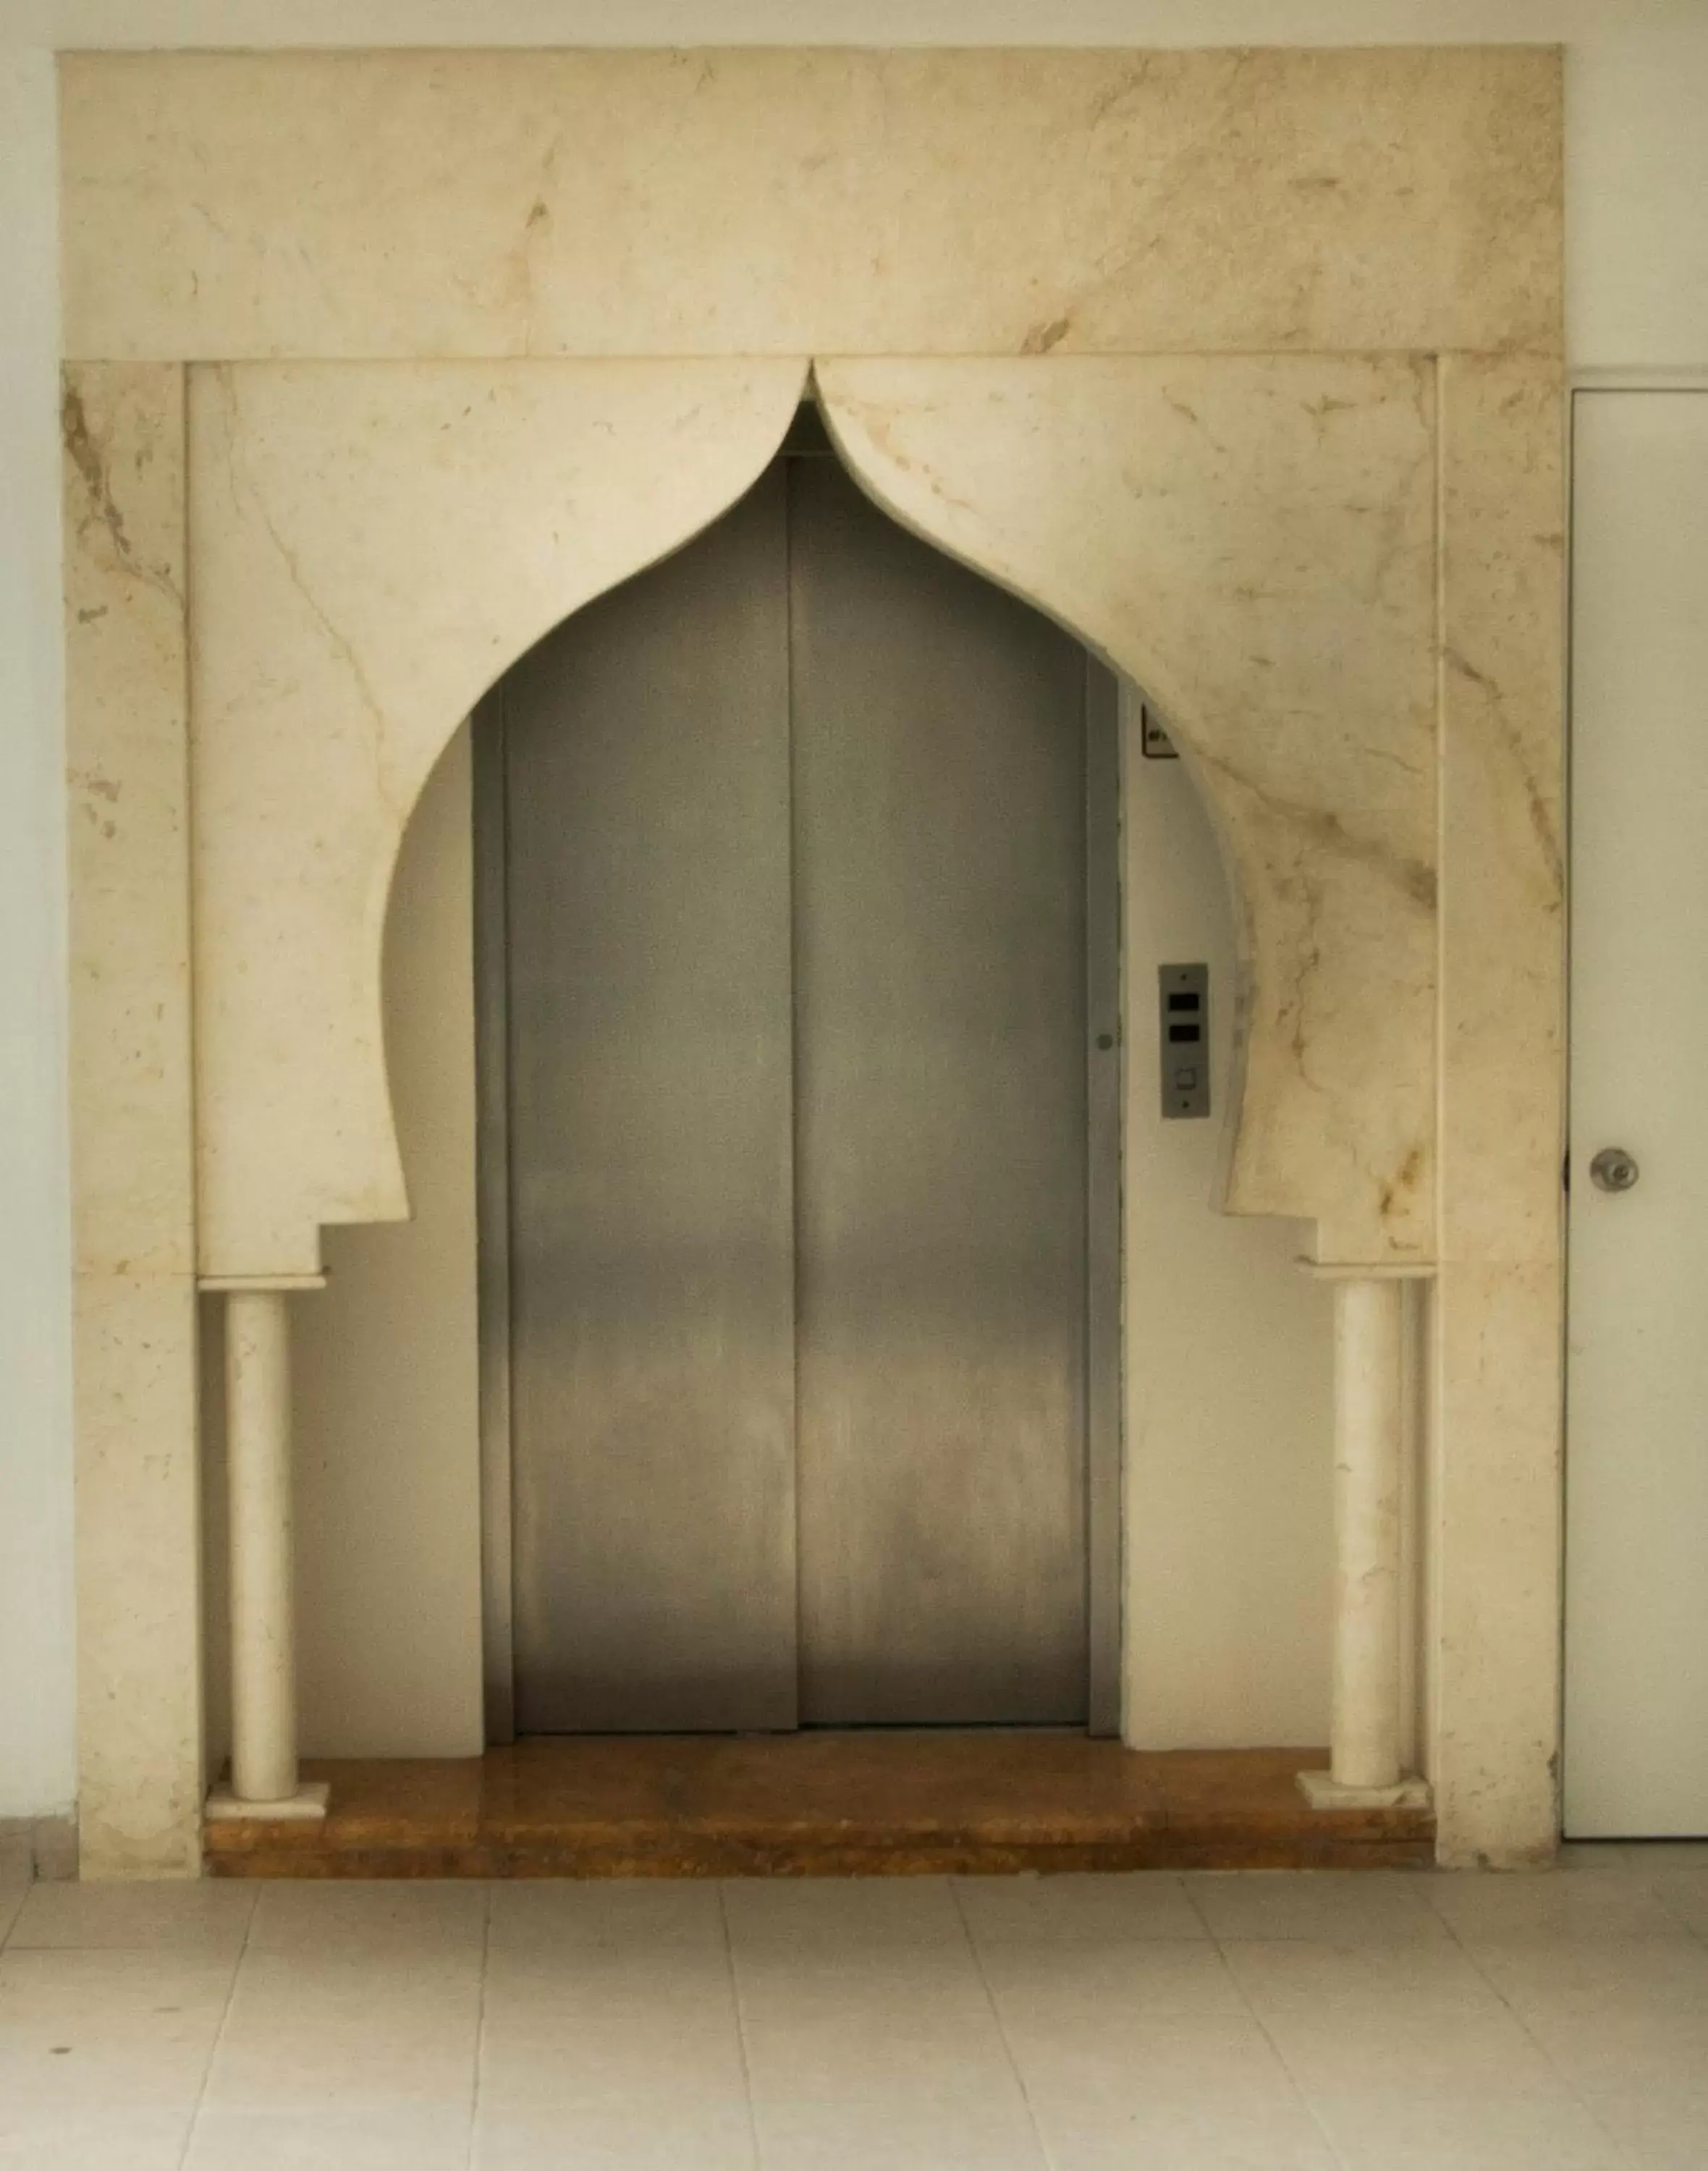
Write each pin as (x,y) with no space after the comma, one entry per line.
(1361,2021)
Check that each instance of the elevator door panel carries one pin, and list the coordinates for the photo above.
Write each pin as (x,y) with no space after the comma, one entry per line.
(649,1060)
(940,964)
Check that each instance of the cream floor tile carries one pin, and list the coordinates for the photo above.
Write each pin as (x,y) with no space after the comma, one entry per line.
(1406,1975)
(908,2052)
(669,2137)
(1602,1854)
(605,2029)
(806,1915)
(1084,1910)
(389,2137)
(388,1916)
(1068,1983)
(1212,2136)
(1660,2130)
(873,1975)
(12,1893)
(1333,2049)
(1139,2062)
(310,2032)
(1353,1906)
(565,1988)
(1619,2047)
(92,2030)
(866,2132)
(1546,1973)
(208,1918)
(71,2137)
(1660,1857)
(1486,1908)
(1387,2132)
(622,1914)
(568,1988)
(890,2020)
(1683,1894)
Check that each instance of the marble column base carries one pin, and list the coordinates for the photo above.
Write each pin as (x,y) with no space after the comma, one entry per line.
(308,1802)
(1323,1791)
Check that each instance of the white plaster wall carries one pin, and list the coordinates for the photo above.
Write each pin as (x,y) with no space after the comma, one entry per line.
(1637,297)
(1227,1504)
(37,1688)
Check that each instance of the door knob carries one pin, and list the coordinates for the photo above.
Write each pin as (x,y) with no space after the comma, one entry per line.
(1614,1169)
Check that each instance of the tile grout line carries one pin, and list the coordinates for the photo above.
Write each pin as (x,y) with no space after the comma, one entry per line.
(1573,2094)
(740,2022)
(1300,2091)
(480,2024)
(1046,2154)
(219,2033)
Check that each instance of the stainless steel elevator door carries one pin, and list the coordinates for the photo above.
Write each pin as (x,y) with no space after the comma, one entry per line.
(940,1126)
(651,1211)
(793,946)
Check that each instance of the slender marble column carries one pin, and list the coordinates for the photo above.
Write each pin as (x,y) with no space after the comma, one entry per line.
(1365,1747)
(263,1626)
(1369,1438)
(263,1630)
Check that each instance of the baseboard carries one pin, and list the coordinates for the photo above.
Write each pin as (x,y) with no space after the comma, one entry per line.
(44,1847)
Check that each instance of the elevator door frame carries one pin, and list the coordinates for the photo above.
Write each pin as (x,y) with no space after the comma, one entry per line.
(1105,1100)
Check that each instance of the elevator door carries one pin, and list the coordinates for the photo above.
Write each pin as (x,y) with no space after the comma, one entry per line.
(794,945)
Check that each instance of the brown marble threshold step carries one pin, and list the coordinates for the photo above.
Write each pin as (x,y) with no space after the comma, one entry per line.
(863,1804)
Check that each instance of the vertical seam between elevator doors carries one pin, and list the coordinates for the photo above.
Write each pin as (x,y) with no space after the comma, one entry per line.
(790,467)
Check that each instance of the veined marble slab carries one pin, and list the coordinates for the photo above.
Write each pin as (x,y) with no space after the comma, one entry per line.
(237,205)
(1252,540)
(373,546)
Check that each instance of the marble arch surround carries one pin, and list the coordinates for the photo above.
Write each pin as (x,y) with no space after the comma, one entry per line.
(340,445)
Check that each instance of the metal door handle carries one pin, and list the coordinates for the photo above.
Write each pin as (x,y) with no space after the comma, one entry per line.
(1614,1169)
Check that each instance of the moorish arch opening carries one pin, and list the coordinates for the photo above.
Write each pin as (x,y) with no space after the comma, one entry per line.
(588,1510)
(797,961)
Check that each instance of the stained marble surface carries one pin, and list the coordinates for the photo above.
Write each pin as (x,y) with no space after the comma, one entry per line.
(231,206)
(139,1676)
(372,546)
(128,785)
(377,538)
(1252,540)
(1498,1300)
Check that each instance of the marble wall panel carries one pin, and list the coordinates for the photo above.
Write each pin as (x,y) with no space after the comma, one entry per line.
(231,206)
(1495,1500)
(1498,1300)
(372,546)
(141,1779)
(1503,600)
(128,844)
(139,1675)
(1252,540)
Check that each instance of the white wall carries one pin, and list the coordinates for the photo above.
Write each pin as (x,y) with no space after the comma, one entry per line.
(1228,1510)
(37,1754)
(1637,285)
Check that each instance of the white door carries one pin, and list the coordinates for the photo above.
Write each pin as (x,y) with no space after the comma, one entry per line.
(1636,1563)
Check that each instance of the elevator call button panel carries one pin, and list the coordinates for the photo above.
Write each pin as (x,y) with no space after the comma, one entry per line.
(1182,995)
